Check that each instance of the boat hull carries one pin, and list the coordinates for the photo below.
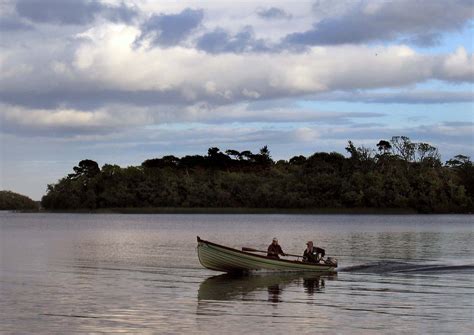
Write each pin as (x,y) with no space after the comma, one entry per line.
(221,258)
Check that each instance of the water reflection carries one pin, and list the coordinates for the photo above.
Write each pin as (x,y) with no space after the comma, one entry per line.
(139,274)
(234,287)
(274,293)
(314,285)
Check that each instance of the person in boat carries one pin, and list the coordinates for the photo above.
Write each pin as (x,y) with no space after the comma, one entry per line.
(274,249)
(312,254)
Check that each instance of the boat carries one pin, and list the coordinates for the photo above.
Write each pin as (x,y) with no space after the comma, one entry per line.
(217,257)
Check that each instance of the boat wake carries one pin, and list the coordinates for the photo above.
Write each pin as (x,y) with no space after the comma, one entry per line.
(403,267)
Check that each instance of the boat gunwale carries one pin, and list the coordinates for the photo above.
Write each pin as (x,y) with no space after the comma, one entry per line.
(265,257)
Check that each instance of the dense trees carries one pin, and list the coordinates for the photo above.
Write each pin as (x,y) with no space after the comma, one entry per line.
(14,201)
(398,174)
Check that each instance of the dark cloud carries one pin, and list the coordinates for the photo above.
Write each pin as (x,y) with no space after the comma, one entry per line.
(273,13)
(287,116)
(13,24)
(91,99)
(219,41)
(72,12)
(121,13)
(170,29)
(335,31)
(54,131)
(421,22)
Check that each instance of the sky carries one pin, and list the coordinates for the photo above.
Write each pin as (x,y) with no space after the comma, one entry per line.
(120,82)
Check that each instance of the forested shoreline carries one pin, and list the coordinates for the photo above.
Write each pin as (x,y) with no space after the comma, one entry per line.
(395,174)
(11,201)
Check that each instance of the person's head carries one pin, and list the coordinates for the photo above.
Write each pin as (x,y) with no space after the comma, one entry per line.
(309,244)
(275,241)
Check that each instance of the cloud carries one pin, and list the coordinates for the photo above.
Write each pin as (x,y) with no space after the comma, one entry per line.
(88,71)
(458,66)
(72,12)
(121,13)
(67,122)
(422,22)
(273,13)
(115,118)
(245,113)
(429,132)
(10,24)
(449,129)
(90,99)
(425,40)
(198,76)
(198,138)
(219,41)
(170,29)
(400,97)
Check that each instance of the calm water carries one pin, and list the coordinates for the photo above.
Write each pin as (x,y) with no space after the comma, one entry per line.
(140,273)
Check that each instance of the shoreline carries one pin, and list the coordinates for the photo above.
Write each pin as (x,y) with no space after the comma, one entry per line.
(240,210)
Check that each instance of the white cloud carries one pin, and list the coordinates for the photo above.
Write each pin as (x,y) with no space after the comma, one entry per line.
(306,134)
(103,120)
(109,61)
(458,66)
(250,93)
(317,70)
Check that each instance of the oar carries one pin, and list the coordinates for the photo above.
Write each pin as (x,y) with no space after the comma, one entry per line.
(255,250)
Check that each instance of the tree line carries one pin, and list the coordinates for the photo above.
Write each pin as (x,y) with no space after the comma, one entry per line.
(396,173)
(13,201)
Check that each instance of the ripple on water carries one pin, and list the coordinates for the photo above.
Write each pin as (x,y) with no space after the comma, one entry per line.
(133,273)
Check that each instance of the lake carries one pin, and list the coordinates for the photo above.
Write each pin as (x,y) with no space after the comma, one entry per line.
(85,273)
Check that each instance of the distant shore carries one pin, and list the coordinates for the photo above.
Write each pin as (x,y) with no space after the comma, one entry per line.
(227,210)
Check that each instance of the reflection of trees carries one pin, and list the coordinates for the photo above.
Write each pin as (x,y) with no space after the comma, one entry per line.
(396,245)
(383,245)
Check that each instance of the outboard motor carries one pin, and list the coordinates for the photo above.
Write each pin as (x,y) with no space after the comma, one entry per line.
(331,261)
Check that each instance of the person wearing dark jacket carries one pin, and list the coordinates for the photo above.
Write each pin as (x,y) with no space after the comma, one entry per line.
(274,249)
(312,254)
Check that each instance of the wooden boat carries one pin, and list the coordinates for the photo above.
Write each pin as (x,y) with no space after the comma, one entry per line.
(221,258)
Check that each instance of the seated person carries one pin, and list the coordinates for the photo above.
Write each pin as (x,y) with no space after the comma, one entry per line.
(274,249)
(312,254)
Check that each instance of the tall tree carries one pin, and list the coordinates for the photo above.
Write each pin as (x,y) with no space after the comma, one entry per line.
(404,147)
(86,168)
(384,146)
